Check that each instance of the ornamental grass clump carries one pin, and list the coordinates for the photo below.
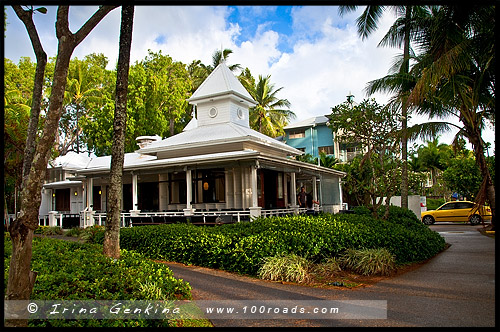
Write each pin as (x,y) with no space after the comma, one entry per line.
(368,261)
(327,269)
(283,267)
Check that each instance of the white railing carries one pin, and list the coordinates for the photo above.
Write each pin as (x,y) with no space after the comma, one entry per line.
(90,218)
(240,214)
(278,212)
(43,220)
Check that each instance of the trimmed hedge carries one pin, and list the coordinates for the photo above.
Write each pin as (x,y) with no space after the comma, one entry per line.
(242,247)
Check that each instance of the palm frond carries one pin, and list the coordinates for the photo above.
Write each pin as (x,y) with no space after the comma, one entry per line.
(429,130)
(367,22)
(344,9)
(395,36)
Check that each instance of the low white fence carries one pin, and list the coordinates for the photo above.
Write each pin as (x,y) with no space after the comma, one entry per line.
(89,218)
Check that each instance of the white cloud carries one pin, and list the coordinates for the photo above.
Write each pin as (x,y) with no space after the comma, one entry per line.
(320,72)
(326,58)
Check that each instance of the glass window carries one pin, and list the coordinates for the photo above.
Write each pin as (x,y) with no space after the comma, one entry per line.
(326,149)
(177,188)
(352,149)
(297,134)
(280,185)
(465,205)
(449,206)
(209,186)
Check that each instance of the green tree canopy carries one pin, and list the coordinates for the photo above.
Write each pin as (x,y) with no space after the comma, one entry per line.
(377,173)
(157,104)
(18,82)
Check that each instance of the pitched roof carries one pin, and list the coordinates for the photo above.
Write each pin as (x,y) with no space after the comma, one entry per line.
(308,122)
(220,82)
(213,134)
(71,160)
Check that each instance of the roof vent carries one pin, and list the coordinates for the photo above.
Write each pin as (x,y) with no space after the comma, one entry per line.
(144,141)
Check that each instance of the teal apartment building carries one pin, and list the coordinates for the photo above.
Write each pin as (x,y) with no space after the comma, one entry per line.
(312,136)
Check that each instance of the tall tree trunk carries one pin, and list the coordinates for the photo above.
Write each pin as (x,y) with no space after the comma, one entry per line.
(487,190)
(404,115)
(41,61)
(21,280)
(111,245)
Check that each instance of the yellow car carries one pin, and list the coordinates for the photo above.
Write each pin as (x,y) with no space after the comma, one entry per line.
(463,211)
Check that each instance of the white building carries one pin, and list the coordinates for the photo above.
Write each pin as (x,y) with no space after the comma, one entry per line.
(217,166)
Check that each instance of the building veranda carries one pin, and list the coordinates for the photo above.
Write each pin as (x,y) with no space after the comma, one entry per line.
(218,168)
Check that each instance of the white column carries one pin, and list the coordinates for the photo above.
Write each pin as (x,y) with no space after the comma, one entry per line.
(255,209)
(104,202)
(293,189)
(135,207)
(243,189)
(294,193)
(163,192)
(255,201)
(315,193)
(226,188)
(90,194)
(52,218)
(189,195)
(340,193)
(234,188)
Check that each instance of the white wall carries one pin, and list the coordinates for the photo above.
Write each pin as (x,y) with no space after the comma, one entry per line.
(413,203)
(46,204)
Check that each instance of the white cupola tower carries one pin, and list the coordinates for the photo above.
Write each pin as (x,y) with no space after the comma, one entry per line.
(221,98)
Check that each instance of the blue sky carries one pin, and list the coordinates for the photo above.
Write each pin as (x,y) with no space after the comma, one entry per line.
(251,18)
(310,51)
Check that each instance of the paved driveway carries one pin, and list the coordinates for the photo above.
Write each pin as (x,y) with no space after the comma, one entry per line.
(456,288)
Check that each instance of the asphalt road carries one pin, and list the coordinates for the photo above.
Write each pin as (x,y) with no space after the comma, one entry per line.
(454,289)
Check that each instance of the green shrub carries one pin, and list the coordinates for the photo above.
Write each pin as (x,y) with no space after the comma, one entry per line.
(49,230)
(285,268)
(397,214)
(92,234)
(361,210)
(74,232)
(78,271)
(434,203)
(368,261)
(241,247)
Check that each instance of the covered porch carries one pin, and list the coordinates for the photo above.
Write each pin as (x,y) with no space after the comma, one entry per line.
(239,188)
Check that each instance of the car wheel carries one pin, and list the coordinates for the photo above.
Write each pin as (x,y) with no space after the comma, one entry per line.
(428,220)
(475,219)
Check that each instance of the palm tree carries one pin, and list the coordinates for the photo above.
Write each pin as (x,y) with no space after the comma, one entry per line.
(80,89)
(270,115)
(307,158)
(404,29)
(456,76)
(431,157)
(220,56)
(327,160)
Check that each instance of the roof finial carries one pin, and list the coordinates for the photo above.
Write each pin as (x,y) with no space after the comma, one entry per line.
(222,58)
